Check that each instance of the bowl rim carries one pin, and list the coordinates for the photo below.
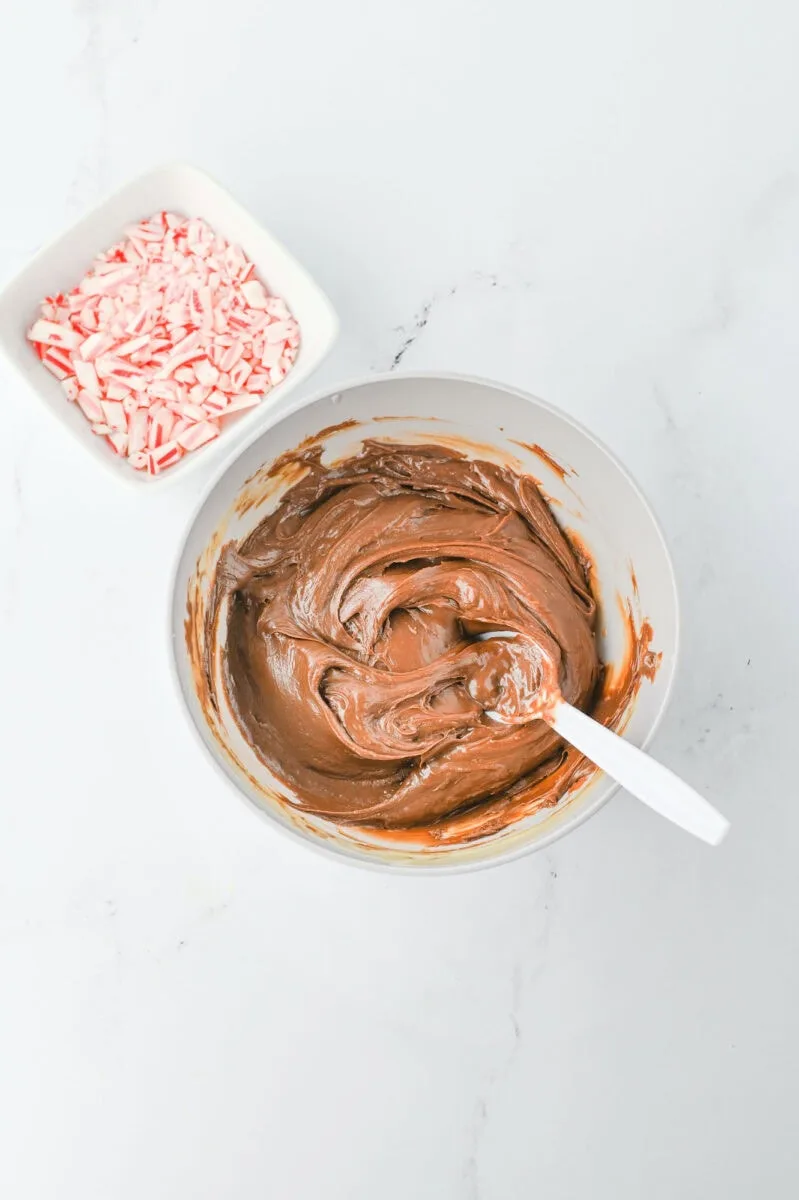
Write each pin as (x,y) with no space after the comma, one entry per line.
(335,851)
(108,464)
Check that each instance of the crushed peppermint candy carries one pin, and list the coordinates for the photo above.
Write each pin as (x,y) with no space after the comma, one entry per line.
(169,333)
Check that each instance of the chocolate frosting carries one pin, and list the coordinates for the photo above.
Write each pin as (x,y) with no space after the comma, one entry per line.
(354,656)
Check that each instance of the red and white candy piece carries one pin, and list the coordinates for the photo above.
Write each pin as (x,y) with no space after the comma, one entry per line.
(169,333)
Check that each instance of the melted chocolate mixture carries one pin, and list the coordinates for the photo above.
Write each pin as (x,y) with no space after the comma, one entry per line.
(353,655)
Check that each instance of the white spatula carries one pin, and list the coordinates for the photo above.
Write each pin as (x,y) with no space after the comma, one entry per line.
(639,774)
(642,776)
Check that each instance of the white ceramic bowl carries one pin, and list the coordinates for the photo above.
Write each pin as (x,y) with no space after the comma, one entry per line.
(595,499)
(62,264)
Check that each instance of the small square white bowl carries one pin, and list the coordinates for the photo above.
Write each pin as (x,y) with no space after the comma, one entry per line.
(62,264)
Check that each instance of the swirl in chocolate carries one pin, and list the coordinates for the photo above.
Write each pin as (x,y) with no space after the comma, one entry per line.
(354,656)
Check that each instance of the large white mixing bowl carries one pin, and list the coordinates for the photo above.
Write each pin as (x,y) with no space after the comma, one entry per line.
(593,498)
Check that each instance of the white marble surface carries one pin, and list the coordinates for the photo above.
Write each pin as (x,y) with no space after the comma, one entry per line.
(596,202)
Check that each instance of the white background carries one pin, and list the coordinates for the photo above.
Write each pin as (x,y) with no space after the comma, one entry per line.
(598,203)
